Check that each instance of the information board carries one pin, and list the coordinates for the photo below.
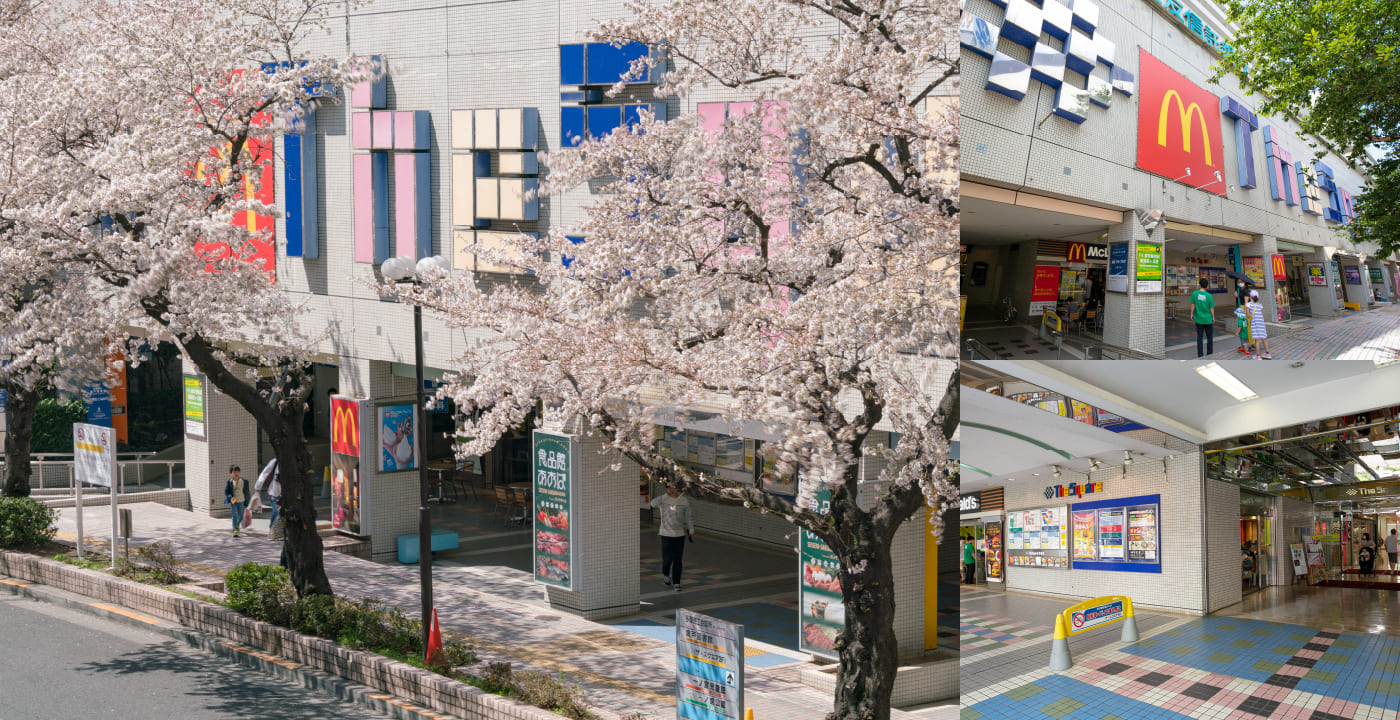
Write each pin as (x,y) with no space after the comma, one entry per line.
(1086,535)
(1038,537)
(1126,534)
(556,535)
(1142,533)
(709,668)
(1149,268)
(194,406)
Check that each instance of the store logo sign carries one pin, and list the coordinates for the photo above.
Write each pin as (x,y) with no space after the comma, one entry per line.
(970,503)
(1074,490)
(1084,252)
(1175,139)
(345,426)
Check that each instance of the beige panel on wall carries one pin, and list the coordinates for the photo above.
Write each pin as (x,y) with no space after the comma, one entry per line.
(512,199)
(485,134)
(519,163)
(495,241)
(462,244)
(510,129)
(463,189)
(462,130)
(487,198)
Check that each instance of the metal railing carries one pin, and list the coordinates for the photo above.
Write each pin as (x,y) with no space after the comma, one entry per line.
(40,461)
(977,350)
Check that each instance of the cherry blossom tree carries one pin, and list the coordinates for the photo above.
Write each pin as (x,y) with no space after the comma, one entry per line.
(796,267)
(138,152)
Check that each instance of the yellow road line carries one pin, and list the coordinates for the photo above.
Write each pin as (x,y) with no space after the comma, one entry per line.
(128,613)
(16,583)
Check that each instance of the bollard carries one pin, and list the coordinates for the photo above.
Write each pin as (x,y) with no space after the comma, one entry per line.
(748,714)
(1059,647)
(1130,633)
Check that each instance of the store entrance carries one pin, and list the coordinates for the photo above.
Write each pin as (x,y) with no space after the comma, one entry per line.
(1257,569)
(972,530)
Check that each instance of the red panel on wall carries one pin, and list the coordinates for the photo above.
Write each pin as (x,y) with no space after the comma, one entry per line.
(1179,128)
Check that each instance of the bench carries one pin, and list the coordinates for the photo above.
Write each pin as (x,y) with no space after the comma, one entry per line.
(440,540)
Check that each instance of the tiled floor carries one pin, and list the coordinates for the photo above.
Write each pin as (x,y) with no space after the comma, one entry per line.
(1370,335)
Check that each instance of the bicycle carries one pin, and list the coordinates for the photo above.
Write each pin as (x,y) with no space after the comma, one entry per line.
(1009,313)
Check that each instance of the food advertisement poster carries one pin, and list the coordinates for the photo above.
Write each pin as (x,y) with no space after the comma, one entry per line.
(823,615)
(346,513)
(1085,540)
(991,533)
(1038,538)
(1111,534)
(1142,534)
(556,546)
(398,438)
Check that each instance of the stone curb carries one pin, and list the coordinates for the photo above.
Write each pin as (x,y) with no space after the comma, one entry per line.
(391,678)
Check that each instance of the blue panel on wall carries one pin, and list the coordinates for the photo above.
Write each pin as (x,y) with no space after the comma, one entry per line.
(300,178)
(607,64)
(291,180)
(573,125)
(379,184)
(603,119)
(422,197)
(632,114)
(565,258)
(571,64)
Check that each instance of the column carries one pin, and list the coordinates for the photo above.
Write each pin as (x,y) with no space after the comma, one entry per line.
(1134,321)
(388,501)
(1262,247)
(1320,297)
(609,533)
(1359,294)
(230,437)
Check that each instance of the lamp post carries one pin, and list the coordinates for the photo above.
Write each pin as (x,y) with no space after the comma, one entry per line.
(403,270)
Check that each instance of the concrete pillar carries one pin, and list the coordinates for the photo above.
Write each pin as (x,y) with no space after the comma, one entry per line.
(1320,297)
(608,532)
(1134,321)
(1262,247)
(1360,294)
(388,501)
(230,437)
(907,552)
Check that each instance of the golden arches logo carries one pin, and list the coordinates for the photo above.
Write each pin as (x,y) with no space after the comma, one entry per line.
(1184,113)
(345,432)
(1077,252)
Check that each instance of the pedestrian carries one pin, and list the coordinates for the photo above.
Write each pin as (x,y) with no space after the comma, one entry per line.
(1258,330)
(236,493)
(268,479)
(1242,327)
(1204,315)
(676,525)
(1366,559)
(1392,548)
(969,562)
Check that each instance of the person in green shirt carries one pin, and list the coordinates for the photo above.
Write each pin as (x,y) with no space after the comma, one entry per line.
(1203,312)
(969,563)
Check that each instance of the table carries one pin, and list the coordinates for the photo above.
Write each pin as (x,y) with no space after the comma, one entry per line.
(440,468)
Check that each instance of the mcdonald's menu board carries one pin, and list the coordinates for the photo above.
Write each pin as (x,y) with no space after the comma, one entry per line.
(556,545)
(1038,537)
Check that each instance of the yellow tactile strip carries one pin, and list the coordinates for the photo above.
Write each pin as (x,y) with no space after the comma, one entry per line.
(127,613)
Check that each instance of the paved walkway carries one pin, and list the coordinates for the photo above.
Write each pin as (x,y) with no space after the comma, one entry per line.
(1214,667)
(623,671)
(1370,335)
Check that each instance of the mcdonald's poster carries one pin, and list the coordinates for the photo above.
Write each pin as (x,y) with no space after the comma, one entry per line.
(345,426)
(1280,269)
(346,514)
(1179,128)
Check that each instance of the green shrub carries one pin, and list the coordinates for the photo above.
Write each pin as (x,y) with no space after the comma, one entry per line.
(53,425)
(161,562)
(26,523)
(262,592)
(542,690)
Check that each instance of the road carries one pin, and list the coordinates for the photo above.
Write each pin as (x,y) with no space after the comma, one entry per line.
(59,663)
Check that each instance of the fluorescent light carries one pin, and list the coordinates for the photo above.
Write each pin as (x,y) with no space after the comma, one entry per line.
(1221,378)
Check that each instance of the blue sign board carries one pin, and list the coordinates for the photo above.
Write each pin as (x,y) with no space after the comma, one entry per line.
(99,404)
(1118,267)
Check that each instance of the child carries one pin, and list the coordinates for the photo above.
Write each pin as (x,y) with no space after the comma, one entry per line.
(1258,331)
(1242,324)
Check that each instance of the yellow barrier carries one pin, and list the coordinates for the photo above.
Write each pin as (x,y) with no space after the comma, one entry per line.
(1352,306)
(1086,615)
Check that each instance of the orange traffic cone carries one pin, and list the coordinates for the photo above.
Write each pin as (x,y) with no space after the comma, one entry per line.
(433,656)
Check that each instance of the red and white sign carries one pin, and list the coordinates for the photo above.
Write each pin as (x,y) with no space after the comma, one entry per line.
(1179,128)
(1046,286)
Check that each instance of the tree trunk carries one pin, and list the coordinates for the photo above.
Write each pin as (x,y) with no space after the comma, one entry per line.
(869,650)
(305,554)
(20,410)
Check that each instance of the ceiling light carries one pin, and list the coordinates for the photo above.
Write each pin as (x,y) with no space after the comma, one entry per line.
(1127,458)
(1221,378)
(1036,474)
(1095,463)
(1057,471)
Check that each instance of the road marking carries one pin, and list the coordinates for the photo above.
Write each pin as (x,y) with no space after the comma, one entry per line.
(16,583)
(411,708)
(128,613)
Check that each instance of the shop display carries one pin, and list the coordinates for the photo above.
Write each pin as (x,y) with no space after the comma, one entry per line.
(1038,538)
(992,542)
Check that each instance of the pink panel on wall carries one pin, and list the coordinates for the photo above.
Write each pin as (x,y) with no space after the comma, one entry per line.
(362,181)
(360,131)
(740,109)
(711,116)
(360,95)
(403,130)
(383,130)
(405,207)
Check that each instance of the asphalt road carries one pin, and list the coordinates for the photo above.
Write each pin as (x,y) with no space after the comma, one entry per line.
(59,663)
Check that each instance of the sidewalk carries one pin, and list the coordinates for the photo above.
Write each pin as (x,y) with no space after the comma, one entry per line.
(1370,335)
(623,672)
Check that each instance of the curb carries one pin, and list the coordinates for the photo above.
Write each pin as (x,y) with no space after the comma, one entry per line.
(271,665)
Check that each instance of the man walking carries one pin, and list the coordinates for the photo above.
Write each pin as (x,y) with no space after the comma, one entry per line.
(676,525)
(1392,548)
(969,562)
(1204,315)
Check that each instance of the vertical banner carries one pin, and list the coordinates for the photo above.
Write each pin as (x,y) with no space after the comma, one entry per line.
(991,534)
(398,438)
(556,546)
(1149,268)
(194,406)
(1118,267)
(822,612)
(1085,539)
(346,515)
(709,668)
(116,384)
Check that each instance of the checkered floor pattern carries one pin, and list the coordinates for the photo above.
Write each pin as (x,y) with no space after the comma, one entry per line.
(980,632)
(1218,669)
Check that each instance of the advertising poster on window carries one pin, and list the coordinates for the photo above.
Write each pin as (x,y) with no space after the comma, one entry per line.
(1045,289)
(1038,538)
(194,406)
(1085,540)
(1142,534)
(991,533)
(1317,274)
(556,546)
(823,615)
(398,438)
(1111,534)
(345,466)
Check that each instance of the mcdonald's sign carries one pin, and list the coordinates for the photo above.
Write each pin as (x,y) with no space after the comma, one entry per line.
(1078,252)
(345,426)
(1179,130)
(1279,268)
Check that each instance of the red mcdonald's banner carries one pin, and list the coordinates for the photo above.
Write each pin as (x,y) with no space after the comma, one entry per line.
(345,426)
(1279,268)
(1179,128)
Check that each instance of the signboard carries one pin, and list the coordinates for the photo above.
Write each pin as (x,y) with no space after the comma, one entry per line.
(1111,534)
(823,614)
(1126,534)
(1178,134)
(1253,269)
(1279,267)
(398,438)
(556,544)
(970,502)
(194,406)
(1142,533)
(1300,564)
(1085,535)
(1353,275)
(1078,252)
(99,404)
(347,514)
(1317,275)
(1149,268)
(991,535)
(95,463)
(709,668)
(1095,612)
(1376,276)
(1038,538)
(1046,286)
(1118,268)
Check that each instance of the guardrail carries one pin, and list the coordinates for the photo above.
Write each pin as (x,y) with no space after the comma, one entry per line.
(976,350)
(40,461)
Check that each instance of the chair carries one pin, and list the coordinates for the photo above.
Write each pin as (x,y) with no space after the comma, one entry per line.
(518,501)
(503,501)
(1072,319)
(1090,319)
(462,479)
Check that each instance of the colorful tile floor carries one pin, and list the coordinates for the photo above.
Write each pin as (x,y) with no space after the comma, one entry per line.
(980,631)
(1220,668)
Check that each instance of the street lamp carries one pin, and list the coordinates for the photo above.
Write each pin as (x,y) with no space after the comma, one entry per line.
(403,270)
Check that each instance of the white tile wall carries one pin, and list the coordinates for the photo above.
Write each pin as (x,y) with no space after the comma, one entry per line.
(1291,515)
(1223,544)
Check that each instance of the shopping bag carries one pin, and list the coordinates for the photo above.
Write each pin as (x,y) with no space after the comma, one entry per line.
(247,517)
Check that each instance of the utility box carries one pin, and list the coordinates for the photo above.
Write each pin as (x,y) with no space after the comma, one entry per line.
(124,523)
